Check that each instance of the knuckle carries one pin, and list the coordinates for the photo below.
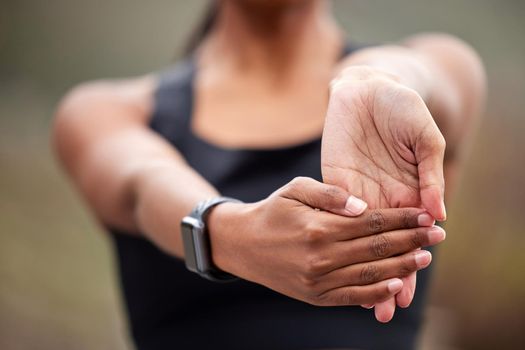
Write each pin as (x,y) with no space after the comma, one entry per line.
(316,265)
(347,297)
(404,271)
(313,233)
(407,266)
(296,183)
(309,284)
(380,293)
(406,218)
(376,221)
(370,273)
(320,300)
(416,239)
(381,245)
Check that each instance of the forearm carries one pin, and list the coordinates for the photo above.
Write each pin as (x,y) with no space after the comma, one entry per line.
(137,183)
(450,78)
(398,62)
(445,72)
(165,192)
(132,179)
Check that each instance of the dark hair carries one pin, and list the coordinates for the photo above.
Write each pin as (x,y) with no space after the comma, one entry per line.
(202,29)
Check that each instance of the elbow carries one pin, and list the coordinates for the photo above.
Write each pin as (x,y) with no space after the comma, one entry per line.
(69,123)
(63,124)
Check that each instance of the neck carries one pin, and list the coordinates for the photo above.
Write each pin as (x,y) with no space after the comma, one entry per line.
(281,38)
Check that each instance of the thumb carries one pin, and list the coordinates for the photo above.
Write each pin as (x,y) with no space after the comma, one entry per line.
(429,153)
(326,197)
(354,206)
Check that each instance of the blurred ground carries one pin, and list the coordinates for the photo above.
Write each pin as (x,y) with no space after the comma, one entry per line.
(58,287)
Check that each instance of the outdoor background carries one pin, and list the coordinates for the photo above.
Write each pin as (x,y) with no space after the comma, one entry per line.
(58,287)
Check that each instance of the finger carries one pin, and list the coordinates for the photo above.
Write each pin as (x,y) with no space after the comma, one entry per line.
(354,207)
(376,221)
(406,295)
(429,152)
(372,272)
(330,198)
(383,245)
(384,311)
(357,295)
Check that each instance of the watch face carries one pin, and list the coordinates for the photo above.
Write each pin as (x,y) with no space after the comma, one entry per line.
(197,253)
(187,227)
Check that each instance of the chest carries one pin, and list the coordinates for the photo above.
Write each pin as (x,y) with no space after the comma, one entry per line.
(242,114)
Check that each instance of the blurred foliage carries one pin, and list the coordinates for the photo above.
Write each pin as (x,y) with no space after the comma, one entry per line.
(58,286)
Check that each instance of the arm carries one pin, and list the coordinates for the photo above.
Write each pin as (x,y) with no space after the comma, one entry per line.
(448,75)
(384,108)
(133,180)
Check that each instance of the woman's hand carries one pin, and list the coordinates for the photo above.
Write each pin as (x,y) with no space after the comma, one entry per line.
(381,142)
(292,242)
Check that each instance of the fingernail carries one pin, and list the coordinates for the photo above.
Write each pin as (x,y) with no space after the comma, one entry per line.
(436,234)
(444,211)
(423,258)
(355,206)
(395,286)
(425,219)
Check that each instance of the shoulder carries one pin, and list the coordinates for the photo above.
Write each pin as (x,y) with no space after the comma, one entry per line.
(94,98)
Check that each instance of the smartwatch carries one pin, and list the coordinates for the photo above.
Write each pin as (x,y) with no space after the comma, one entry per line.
(196,241)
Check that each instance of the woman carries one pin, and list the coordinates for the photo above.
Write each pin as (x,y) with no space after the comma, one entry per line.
(242,117)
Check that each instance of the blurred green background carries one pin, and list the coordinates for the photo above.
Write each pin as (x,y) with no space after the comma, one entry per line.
(58,287)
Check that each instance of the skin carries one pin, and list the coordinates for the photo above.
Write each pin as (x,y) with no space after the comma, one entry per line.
(263,81)
(385,126)
(342,260)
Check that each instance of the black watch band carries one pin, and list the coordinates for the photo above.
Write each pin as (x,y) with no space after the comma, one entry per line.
(196,240)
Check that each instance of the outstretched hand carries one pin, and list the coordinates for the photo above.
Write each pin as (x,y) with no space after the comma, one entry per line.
(381,144)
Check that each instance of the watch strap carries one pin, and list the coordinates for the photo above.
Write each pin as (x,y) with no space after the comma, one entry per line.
(202,209)
(199,244)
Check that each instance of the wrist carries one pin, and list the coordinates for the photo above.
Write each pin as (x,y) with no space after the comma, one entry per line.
(357,74)
(224,229)
(410,72)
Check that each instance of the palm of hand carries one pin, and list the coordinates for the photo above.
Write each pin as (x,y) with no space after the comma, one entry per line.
(363,153)
(370,148)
